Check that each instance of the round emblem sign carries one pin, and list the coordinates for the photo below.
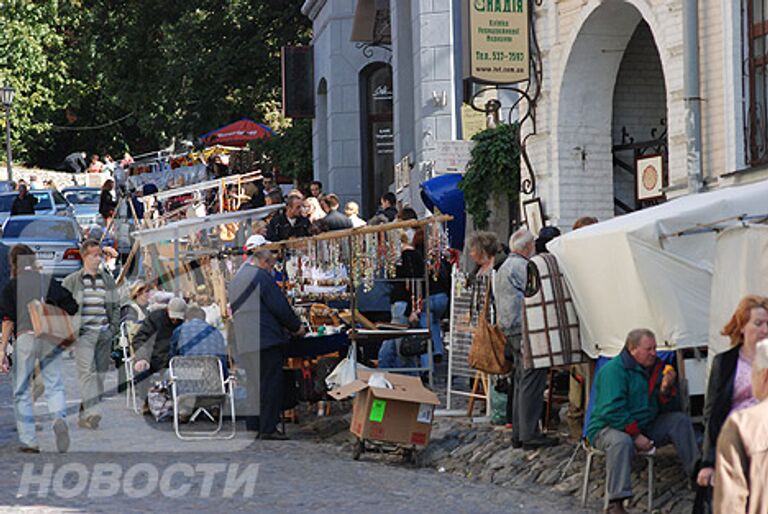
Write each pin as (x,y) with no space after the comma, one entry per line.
(650,177)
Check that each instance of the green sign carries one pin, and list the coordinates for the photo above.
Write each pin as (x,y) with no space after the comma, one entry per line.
(377,410)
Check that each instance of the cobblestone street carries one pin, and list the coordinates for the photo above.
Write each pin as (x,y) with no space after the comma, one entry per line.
(293,476)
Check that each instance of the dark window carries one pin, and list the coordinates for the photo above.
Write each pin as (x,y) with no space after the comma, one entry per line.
(44,230)
(59,198)
(757,48)
(83,197)
(43,200)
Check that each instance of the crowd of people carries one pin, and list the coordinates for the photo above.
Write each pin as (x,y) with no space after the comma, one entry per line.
(635,407)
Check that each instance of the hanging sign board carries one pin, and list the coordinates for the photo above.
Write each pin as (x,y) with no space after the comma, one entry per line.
(495,40)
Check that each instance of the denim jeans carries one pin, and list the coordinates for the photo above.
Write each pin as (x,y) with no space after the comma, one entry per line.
(438,304)
(389,353)
(26,351)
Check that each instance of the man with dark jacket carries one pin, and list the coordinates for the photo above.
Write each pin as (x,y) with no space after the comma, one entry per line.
(289,223)
(24,203)
(263,319)
(635,410)
(152,344)
(334,220)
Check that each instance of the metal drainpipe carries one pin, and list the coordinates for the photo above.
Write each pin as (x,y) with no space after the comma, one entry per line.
(692,96)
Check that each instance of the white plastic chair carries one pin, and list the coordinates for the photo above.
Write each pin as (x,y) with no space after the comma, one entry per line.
(128,359)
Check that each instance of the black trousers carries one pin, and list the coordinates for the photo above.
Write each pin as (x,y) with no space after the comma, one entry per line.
(264,384)
(525,404)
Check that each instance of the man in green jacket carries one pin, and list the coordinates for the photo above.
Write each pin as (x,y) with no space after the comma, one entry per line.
(97,322)
(635,412)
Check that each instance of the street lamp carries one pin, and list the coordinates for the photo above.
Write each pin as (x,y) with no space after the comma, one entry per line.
(6,96)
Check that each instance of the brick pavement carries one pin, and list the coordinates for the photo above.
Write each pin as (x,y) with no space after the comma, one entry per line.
(158,473)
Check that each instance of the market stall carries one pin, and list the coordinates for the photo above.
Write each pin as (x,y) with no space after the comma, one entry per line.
(329,268)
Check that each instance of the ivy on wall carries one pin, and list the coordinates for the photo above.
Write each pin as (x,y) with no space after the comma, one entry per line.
(493,169)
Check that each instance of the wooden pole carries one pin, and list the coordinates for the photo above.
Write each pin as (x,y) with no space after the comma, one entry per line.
(374,229)
(127,264)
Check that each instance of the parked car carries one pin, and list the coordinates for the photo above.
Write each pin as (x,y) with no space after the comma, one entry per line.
(85,201)
(55,240)
(49,202)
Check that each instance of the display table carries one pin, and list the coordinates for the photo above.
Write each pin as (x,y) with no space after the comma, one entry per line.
(317,345)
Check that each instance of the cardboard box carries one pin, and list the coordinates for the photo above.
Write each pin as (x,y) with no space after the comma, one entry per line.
(402,415)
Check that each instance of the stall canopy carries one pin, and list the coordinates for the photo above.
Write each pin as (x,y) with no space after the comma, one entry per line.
(654,269)
(442,193)
(238,133)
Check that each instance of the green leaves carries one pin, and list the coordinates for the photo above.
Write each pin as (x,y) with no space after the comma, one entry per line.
(494,168)
(289,150)
(182,68)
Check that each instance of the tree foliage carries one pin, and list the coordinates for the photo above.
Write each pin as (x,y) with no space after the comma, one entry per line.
(163,68)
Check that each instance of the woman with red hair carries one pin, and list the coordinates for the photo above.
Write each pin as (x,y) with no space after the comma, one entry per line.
(730,386)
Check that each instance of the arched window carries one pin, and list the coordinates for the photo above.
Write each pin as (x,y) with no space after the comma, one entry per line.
(378,143)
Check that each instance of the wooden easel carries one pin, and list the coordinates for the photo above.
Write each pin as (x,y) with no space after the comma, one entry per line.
(481,380)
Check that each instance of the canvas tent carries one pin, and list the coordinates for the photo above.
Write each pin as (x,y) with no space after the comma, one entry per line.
(654,268)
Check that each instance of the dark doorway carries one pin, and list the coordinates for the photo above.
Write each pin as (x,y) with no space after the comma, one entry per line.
(378,144)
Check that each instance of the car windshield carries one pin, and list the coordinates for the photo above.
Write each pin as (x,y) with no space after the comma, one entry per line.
(43,201)
(82,197)
(47,230)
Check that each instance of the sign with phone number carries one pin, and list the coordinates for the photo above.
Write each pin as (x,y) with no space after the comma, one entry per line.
(496,41)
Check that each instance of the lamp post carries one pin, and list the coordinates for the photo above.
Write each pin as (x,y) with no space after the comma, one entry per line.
(6,96)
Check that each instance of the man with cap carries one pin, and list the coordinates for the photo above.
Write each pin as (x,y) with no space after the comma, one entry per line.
(152,344)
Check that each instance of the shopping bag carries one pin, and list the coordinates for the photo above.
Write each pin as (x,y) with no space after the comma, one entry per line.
(51,323)
(344,373)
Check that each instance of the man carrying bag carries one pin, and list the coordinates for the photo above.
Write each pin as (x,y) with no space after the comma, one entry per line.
(36,309)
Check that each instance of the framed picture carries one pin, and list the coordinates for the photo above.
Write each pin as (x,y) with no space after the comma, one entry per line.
(649,173)
(534,215)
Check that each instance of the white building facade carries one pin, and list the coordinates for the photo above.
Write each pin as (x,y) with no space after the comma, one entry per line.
(378,103)
(612,91)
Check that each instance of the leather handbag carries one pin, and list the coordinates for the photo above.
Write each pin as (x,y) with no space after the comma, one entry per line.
(487,350)
(50,323)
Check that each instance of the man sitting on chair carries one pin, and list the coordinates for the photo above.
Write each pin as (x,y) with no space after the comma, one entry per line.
(195,337)
(634,412)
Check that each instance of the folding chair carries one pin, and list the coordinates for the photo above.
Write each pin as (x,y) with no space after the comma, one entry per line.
(127,331)
(201,378)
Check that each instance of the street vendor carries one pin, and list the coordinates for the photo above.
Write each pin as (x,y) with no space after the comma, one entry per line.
(263,319)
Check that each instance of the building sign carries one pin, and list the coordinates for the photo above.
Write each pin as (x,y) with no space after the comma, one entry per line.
(650,173)
(385,142)
(496,41)
(449,156)
(402,174)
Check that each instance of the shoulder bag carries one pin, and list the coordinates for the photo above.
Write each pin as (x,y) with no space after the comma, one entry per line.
(487,350)
(50,323)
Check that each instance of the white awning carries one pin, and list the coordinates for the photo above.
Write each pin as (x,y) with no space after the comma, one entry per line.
(185,227)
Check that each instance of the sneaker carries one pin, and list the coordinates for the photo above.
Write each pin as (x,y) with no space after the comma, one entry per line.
(91,423)
(516,443)
(540,441)
(61,431)
(274,436)
(29,449)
